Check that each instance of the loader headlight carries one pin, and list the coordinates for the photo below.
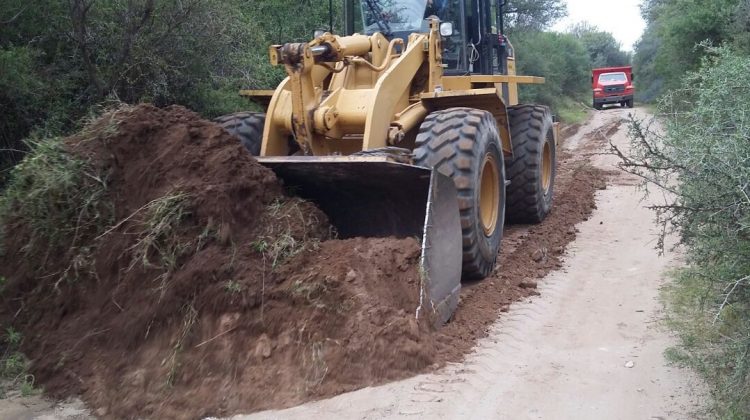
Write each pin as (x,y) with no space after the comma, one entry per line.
(446,29)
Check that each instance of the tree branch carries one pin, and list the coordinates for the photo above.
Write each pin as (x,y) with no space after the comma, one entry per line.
(79,19)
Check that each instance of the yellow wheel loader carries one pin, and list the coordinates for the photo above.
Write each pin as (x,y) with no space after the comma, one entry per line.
(409,125)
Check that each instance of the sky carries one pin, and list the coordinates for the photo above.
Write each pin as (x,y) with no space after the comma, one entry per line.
(622,18)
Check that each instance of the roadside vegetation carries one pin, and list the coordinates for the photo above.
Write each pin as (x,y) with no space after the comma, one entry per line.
(693,62)
(58,66)
(565,60)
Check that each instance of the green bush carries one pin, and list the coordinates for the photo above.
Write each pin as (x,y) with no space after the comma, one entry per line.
(703,159)
(60,198)
(561,59)
(674,28)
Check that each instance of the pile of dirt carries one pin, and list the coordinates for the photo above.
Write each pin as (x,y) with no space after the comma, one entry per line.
(211,291)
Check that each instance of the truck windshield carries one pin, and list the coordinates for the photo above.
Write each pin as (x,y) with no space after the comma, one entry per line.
(389,16)
(612,77)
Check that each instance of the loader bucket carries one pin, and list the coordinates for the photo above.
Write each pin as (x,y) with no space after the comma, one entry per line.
(375,197)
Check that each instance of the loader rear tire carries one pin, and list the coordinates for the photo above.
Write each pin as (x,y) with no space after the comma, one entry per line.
(247,127)
(463,144)
(533,166)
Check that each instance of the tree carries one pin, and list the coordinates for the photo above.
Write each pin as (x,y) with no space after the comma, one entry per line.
(650,82)
(680,26)
(534,14)
(58,59)
(560,58)
(603,48)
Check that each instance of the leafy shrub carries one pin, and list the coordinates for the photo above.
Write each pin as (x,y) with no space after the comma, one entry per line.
(703,160)
(561,59)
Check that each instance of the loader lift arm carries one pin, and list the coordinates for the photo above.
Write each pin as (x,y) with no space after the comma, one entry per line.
(404,126)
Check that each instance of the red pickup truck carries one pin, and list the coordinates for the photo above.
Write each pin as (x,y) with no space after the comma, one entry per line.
(612,85)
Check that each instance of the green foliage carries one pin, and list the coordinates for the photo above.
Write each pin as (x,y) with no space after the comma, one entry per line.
(604,50)
(571,111)
(14,366)
(561,59)
(12,337)
(232,286)
(60,59)
(160,236)
(703,159)
(525,15)
(59,197)
(669,46)
(649,82)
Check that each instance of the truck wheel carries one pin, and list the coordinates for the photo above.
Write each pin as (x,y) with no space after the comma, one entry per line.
(463,143)
(533,166)
(629,103)
(598,107)
(247,127)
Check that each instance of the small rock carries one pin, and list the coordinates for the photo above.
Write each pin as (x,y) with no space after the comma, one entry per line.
(102,411)
(629,364)
(263,348)
(559,250)
(528,284)
(351,276)
(537,255)
(571,231)
(227,321)
(601,223)
(137,378)
(285,339)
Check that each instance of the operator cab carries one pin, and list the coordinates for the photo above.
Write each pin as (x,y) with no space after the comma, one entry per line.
(472,42)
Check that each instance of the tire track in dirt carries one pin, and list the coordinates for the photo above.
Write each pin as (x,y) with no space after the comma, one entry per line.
(559,355)
(529,253)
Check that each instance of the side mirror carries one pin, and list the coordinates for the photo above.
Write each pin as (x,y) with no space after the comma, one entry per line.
(632,76)
(446,29)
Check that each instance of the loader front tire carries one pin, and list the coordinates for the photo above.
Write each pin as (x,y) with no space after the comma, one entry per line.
(533,166)
(463,144)
(247,127)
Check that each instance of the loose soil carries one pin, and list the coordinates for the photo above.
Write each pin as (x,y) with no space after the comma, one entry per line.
(527,254)
(257,306)
(260,308)
(591,346)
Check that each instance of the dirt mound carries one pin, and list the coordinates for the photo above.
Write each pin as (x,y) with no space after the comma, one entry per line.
(200,287)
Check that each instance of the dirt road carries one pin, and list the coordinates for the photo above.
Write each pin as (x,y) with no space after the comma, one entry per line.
(591,346)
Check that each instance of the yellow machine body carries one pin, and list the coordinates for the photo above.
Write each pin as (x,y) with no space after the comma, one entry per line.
(365,93)
(340,128)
